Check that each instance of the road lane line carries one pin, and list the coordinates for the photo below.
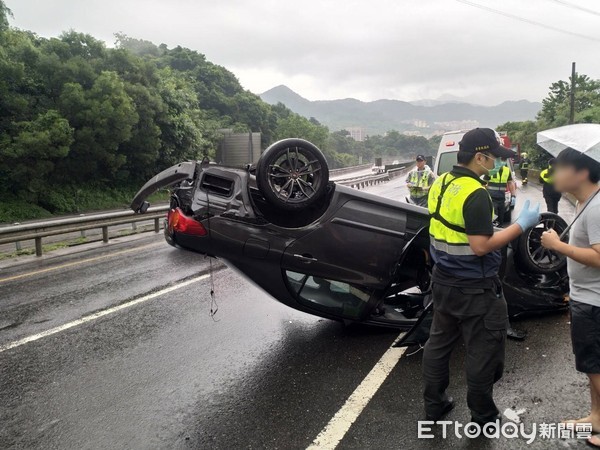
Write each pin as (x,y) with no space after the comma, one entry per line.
(78,262)
(99,314)
(340,423)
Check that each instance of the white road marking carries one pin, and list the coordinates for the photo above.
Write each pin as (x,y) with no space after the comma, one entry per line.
(340,423)
(99,314)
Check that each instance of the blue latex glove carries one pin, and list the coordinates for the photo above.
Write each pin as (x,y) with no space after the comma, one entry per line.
(529,216)
(513,200)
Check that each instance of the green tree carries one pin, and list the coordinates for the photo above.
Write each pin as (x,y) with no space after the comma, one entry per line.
(5,13)
(556,107)
(103,118)
(181,127)
(28,159)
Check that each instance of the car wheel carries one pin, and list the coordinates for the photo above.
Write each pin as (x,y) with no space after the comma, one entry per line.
(292,174)
(530,253)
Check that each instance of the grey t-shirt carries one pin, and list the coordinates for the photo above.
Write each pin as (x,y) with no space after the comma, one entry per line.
(585,280)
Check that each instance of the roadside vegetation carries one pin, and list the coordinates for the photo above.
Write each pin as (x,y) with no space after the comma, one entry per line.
(83,125)
(555,113)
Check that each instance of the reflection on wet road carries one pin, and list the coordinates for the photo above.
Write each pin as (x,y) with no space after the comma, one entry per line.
(157,371)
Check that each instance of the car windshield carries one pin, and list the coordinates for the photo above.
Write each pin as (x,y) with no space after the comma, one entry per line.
(446,162)
(334,297)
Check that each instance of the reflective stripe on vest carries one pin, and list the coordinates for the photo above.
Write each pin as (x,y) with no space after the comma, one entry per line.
(419,179)
(524,165)
(447,197)
(452,249)
(546,176)
(499,181)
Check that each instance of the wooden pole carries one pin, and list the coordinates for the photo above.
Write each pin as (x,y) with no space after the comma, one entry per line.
(573,86)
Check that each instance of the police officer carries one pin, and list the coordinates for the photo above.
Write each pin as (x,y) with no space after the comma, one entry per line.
(524,167)
(467,293)
(499,182)
(551,195)
(419,181)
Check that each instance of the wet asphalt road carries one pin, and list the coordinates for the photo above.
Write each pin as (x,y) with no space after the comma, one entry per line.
(163,373)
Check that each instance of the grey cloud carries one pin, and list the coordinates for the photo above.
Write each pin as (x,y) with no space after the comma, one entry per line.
(405,49)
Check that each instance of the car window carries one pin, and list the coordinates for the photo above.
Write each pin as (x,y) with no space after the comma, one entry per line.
(446,162)
(335,297)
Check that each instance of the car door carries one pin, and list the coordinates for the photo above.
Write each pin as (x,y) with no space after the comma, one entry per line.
(359,243)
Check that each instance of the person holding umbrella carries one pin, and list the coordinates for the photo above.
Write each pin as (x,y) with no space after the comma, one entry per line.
(577,171)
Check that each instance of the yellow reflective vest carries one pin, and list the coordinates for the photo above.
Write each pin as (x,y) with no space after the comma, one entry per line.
(499,181)
(446,201)
(546,176)
(420,179)
(449,241)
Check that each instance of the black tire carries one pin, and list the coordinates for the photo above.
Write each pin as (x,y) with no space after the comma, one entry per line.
(292,174)
(534,259)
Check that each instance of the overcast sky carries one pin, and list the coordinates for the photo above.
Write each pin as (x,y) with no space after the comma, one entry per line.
(370,49)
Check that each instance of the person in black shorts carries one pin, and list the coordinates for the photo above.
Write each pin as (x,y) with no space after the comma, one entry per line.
(578,174)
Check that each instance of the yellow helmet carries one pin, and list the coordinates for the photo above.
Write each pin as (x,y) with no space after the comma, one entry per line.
(523,155)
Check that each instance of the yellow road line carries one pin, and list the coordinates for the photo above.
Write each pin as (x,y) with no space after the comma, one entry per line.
(79,262)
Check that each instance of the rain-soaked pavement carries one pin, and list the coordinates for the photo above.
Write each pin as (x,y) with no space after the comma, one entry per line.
(160,372)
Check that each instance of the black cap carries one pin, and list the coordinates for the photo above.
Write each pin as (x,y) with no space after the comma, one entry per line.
(484,140)
(420,158)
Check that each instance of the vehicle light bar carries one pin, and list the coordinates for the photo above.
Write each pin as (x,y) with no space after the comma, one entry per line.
(181,223)
(449,143)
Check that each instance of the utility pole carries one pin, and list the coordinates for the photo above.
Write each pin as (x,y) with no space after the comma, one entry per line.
(572,110)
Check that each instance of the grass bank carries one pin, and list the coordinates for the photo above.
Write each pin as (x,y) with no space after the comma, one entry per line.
(68,200)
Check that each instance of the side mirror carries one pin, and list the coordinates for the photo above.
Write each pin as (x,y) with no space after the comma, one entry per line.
(144,207)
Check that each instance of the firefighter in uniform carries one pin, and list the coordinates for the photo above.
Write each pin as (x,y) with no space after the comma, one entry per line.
(419,181)
(467,294)
(524,167)
(497,186)
(551,195)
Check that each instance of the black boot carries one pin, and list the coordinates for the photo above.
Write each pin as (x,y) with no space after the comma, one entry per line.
(448,406)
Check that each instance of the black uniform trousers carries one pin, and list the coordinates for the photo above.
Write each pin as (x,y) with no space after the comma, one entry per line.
(479,316)
(552,197)
(499,205)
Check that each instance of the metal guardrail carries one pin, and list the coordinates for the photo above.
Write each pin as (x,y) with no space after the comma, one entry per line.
(364,181)
(38,230)
(369,180)
(345,170)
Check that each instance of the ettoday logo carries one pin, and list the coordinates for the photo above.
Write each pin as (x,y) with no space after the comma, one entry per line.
(508,430)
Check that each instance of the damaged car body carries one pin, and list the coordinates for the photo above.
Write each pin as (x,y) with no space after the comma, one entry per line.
(327,249)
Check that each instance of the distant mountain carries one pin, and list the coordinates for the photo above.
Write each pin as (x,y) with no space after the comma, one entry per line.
(424,117)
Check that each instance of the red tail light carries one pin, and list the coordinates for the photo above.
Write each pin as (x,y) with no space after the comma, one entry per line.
(449,143)
(181,223)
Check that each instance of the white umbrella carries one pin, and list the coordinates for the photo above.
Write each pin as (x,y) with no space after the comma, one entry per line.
(583,137)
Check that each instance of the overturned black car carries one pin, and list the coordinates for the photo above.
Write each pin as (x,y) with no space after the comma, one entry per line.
(327,249)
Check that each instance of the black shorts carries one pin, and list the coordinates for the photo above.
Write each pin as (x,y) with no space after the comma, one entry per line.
(585,334)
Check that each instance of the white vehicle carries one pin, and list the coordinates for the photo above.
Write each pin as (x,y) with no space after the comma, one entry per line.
(446,159)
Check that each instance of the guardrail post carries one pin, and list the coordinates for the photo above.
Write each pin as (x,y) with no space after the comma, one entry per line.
(105,234)
(18,246)
(157,225)
(134,226)
(82,232)
(38,246)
